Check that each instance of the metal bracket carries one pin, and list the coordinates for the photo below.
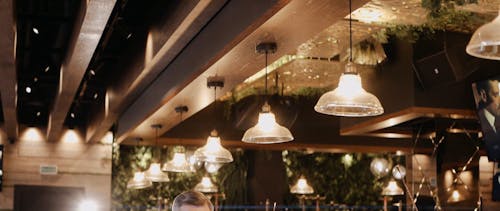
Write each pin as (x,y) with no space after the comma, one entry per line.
(266,47)
(215,81)
(181,109)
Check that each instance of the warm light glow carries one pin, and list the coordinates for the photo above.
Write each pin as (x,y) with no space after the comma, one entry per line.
(139,181)
(213,151)
(32,134)
(267,130)
(392,189)
(155,174)
(379,167)
(212,167)
(71,136)
(178,163)
(301,187)
(485,42)
(28,89)
(108,138)
(87,205)
(206,186)
(35,30)
(349,98)
(455,196)
(398,172)
(347,160)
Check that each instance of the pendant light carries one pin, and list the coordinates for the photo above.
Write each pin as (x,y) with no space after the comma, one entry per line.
(301,187)
(179,162)
(349,98)
(267,130)
(485,42)
(392,189)
(139,181)
(206,186)
(154,172)
(213,151)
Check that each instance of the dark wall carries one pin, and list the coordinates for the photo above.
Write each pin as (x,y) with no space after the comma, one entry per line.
(30,197)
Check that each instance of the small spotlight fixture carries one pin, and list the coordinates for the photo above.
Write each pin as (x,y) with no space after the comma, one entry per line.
(38,113)
(72,115)
(92,72)
(35,79)
(129,36)
(28,89)
(96,95)
(47,69)
(35,30)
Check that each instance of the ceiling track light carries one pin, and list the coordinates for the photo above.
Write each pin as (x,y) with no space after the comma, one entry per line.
(349,99)
(267,130)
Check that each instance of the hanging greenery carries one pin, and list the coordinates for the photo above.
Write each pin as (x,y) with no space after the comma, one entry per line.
(128,159)
(346,182)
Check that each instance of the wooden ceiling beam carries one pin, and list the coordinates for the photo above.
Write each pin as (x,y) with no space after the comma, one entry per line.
(8,79)
(184,80)
(185,22)
(90,25)
(371,127)
(365,147)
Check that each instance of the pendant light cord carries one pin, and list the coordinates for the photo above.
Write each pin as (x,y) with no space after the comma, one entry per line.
(350,31)
(215,107)
(265,83)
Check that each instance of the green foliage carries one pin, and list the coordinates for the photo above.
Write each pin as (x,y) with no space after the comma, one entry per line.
(128,159)
(347,184)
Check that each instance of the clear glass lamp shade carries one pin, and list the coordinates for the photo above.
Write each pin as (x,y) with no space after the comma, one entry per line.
(349,98)
(206,186)
(455,196)
(301,187)
(212,167)
(213,151)
(155,174)
(267,130)
(139,181)
(178,163)
(485,42)
(392,189)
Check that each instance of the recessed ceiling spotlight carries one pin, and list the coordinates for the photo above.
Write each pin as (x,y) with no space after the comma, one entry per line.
(72,115)
(96,95)
(129,36)
(92,72)
(35,30)
(35,79)
(47,69)
(38,113)
(28,89)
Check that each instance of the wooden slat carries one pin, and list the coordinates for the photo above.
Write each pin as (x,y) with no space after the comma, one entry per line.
(8,79)
(95,15)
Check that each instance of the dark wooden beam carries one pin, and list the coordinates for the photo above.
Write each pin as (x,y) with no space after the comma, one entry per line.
(90,25)
(184,23)
(8,79)
(372,125)
(364,147)
(230,54)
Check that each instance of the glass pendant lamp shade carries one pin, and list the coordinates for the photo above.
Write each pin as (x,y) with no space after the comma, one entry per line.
(212,167)
(267,130)
(392,189)
(485,42)
(206,186)
(139,181)
(213,151)
(155,174)
(301,187)
(178,163)
(455,196)
(349,98)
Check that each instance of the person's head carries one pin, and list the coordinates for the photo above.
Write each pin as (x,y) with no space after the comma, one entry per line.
(192,201)
(489,96)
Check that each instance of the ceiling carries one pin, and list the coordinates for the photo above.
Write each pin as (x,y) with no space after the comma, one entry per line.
(122,66)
